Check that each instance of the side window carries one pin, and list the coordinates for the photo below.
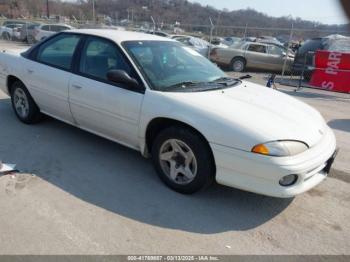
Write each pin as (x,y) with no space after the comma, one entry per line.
(64,28)
(257,48)
(60,28)
(45,28)
(55,28)
(275,50)
(58,51)
(100,56)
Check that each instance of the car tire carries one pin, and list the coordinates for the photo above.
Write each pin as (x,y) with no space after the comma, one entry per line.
(6,36)
(23,104)
(238,64)
(307,76)
(30,40)
(183,160)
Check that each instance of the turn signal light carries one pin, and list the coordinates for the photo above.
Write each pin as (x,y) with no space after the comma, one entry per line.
(260,149)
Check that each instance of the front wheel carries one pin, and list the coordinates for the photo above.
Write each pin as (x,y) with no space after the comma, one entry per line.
(23,104)
(183,160)
(238,64)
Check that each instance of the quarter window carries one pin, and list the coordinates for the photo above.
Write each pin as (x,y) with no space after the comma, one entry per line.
(59,51)
(275,50)
(100,56)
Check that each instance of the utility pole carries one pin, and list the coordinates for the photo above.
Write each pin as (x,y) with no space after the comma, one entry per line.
(245,30)
(154,24)
(93,12)
(132,15)
(217,23)
(212,27)
(287,53)
(47,9)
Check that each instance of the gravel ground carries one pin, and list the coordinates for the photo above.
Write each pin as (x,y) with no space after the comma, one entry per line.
(81,194)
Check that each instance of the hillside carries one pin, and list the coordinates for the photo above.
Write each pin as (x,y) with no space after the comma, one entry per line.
(192,16)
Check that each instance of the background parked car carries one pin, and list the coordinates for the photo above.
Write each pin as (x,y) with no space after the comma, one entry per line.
(197,44)
(231,40)
(10,31)
(43,31)
(27,32)
(305,57)
(10,22)
(253,55)
(159,33)
(268,40)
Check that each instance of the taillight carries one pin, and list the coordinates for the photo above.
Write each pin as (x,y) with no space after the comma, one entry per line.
(213,52)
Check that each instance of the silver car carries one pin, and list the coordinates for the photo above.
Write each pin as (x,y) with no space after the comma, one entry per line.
(197,44)
(253,55)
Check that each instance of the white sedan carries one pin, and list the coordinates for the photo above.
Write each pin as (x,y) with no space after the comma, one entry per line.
(165,100)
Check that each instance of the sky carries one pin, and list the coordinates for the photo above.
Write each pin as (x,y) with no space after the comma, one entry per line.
(324,11)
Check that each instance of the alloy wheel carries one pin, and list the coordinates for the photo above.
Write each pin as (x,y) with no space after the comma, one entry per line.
(178,161)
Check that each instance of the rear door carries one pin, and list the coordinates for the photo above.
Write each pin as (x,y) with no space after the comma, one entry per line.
(100,106)
(257,56)
(48,74)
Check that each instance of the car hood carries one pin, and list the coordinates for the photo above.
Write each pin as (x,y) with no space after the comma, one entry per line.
(249,114)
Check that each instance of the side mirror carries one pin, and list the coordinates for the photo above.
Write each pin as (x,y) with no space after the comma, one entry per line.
(122,77)
(284,54)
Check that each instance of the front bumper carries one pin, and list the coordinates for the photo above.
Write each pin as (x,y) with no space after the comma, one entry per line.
(299,68)
(261,174)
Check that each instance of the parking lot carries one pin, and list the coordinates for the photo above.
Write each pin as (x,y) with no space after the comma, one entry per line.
(82,194)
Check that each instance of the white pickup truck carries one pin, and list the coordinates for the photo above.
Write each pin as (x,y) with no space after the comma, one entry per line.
(165,100)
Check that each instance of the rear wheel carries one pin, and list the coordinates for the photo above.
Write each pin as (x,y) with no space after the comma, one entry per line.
(30,39)
(307,76)
(238,64)
(183,160)
(23,104)
(6,36)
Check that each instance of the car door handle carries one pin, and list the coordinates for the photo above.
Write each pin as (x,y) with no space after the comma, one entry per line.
(30,71)
(77,86)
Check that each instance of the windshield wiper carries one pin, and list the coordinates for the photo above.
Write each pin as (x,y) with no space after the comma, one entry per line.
(219,83)
(184,84)
(228,81)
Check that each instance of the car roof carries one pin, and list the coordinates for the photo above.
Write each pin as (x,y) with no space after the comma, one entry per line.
(57,24)
(254,43)
(13,25)
(119,36)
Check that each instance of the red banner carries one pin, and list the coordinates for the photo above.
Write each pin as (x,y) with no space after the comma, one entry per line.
(332,71)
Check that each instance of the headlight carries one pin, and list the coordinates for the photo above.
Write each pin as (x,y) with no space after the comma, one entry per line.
(280,148)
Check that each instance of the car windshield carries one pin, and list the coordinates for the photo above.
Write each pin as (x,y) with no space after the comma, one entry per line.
(166,64)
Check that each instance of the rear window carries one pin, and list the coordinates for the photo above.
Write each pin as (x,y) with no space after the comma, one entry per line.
(339,45)
(310,45)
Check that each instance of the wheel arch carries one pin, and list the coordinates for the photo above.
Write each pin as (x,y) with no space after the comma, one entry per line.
(10,80)
(158,124)
(239,57)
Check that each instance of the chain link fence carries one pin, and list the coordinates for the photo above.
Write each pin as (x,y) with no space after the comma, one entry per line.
(287,54)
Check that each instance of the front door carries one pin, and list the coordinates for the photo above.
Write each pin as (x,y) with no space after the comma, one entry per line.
(277,57)
(98,105)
